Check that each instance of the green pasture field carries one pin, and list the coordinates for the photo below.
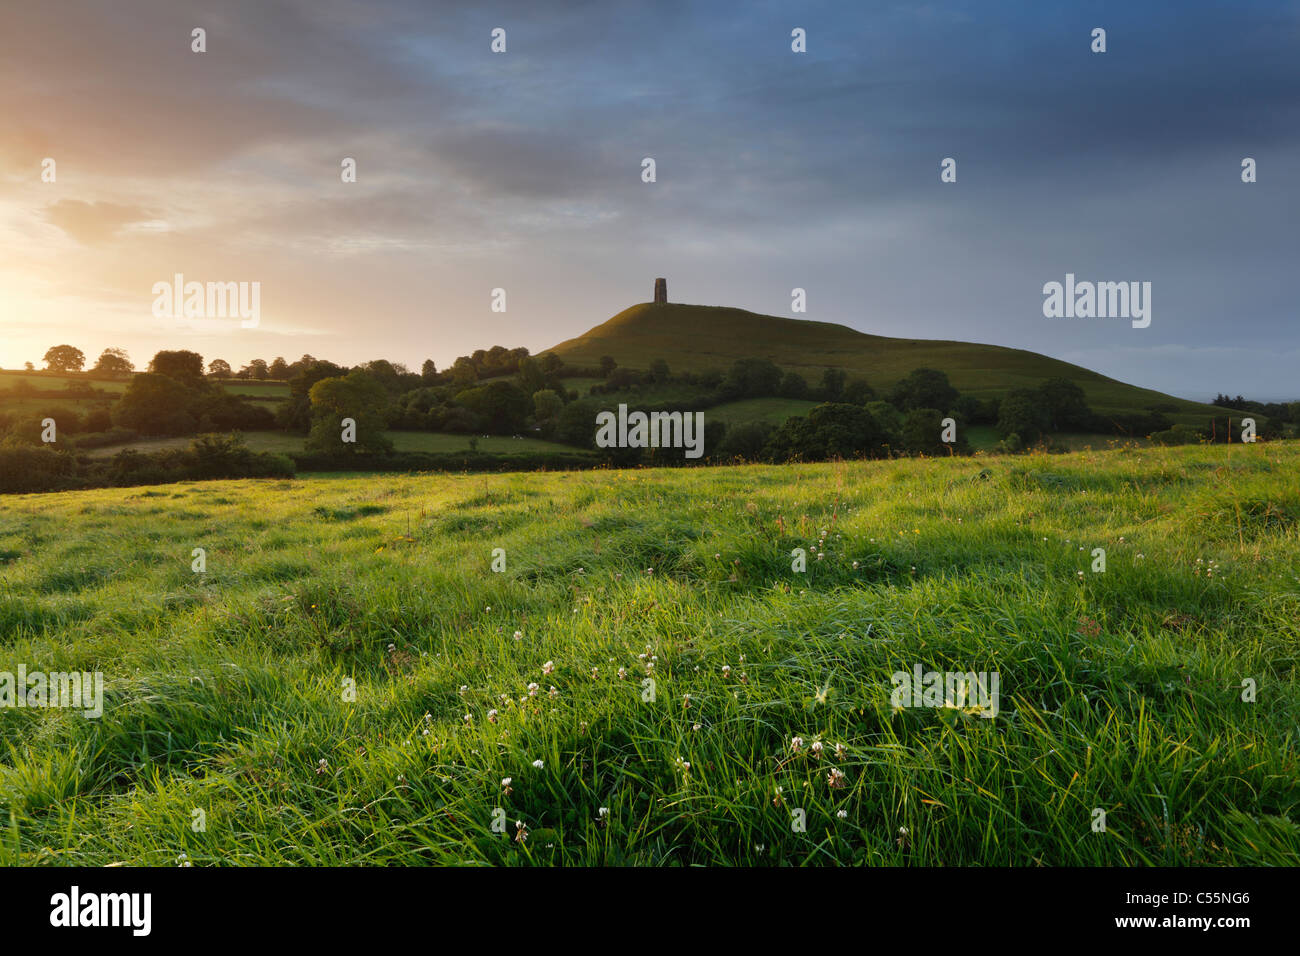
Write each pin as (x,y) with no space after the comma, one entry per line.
(348,681)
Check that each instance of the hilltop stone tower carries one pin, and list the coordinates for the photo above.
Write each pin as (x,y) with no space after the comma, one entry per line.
(661,291)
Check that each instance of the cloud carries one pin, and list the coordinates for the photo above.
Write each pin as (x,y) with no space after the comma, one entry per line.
(93,222)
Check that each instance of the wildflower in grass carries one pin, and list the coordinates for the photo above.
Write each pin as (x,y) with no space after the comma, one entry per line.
(855,565)
(726,670)
(183,860)
(553,693)
(322,766)
(595,672)
(463,688)
(548,667)
(695,726)
(469,718)
(795,744)
(532,690)
(842,814)
(686,702)
(841,752)
(391,648)
(835,778)
(602,812)
(505,785)
(538,764)
(682,765)
(817,747)
(904,838)
(521,831)
(492,716)
(622,673)
(778,796)
(519,635)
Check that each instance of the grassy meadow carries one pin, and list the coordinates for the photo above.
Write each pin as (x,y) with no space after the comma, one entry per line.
(228,691)
(699,337)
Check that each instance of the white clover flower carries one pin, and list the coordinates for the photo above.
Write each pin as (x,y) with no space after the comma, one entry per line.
(796,743)
(548,667)
(519,635)
(538,764)
(842,814)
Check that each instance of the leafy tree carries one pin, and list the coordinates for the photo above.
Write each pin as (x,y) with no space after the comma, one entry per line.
(923,388)
(155,404)
(833,384)
(1022,414)
(752,378)
(659,371)
(295,414)
(550,362)
(793,385)
(607,365)
(890,422)
(923,431)
(503,406)
(357,396)
(858,392)
(831,430)
(429,372)
(256,369)
(463,372)
(219,368)
(1065,404)
(113,362)
(65,358)
(547,406)
(181,366)
(745,441)
(530,378)
(279,368)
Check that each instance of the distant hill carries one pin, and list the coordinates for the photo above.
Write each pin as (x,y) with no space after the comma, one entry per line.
(698,337)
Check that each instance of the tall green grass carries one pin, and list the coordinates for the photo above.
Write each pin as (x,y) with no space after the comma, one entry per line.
(1120,691)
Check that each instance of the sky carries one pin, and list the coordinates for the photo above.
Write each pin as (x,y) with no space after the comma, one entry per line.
(775,170)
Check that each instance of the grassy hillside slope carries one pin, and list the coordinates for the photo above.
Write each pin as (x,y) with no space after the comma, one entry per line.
(696,337)
(226,690)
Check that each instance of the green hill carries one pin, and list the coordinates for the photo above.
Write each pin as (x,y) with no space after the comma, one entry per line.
(698,337)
